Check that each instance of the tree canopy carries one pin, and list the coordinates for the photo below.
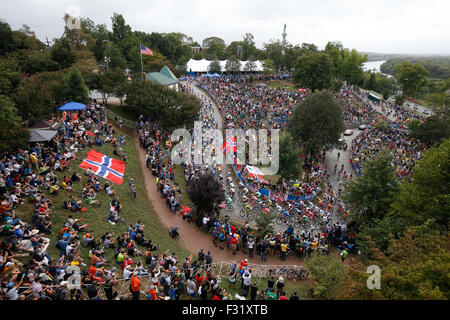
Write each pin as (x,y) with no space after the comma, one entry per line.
(313,71)
(316,124)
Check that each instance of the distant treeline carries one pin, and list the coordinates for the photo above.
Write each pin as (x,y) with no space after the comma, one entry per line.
(438,67)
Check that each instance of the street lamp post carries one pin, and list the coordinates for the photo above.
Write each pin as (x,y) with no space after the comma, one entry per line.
(107,60)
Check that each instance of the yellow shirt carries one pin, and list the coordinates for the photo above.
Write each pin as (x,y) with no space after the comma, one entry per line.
(283,247)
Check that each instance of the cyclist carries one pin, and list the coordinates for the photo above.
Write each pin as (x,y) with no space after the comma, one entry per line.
(229,200)
(232,191)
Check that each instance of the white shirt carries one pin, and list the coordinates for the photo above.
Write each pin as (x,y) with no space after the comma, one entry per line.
(247,279)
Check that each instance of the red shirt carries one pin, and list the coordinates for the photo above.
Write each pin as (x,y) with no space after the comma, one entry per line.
(153,295)
(92,270)
(198,280)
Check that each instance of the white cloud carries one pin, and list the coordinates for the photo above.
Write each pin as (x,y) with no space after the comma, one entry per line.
(398,26)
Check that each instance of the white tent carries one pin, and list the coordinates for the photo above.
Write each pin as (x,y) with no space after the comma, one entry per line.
(202,65)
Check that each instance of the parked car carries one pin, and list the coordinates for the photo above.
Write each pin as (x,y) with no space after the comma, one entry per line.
(426,112)
(348,132)
(363,127)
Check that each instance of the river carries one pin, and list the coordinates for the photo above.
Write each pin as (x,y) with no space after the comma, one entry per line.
(373,65)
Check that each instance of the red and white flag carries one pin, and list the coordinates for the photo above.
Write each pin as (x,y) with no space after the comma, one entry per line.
(103,166)
(229,145)
(255,172)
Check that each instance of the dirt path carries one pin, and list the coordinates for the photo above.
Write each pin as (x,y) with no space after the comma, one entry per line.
(191,237)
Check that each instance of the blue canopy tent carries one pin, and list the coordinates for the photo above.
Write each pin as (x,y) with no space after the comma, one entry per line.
(72,106)
(216,75)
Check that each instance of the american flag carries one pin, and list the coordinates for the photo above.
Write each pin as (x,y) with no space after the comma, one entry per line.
(146,51)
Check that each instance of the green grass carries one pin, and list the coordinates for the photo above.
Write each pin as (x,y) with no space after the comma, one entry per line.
(133,210)
(276,84)
(123,111)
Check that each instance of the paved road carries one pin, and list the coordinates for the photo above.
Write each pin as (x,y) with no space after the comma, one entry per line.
(234,215)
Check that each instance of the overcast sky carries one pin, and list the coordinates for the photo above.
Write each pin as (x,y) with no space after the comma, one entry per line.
(385,26)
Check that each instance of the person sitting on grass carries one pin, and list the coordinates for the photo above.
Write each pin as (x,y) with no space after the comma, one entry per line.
(113,218)
(109,191)
(115,203)
(54,189)
(92,200)
(67,184)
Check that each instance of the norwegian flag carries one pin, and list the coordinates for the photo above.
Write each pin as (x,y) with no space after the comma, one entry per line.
(229,145)
(103,166)
(146,51)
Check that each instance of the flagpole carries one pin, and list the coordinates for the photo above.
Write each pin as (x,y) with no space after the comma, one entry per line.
(142,66)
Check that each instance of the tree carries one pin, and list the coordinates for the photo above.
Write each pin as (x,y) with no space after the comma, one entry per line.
(250,66)
(6,40)
(214,67)
(248,46)
(372,82)
(205,192)
(335,51)
(400,99)
(166,106)
(198,56)
(316,124)
(350,67)
(313,71)
(411,76)
(208,42)
(264,223)
(432,130)
(233,65)
(38,96)
(101,35)
(290,164)
(381,125)
(440,101)
(384,85)
(268,66)
(328,274)
(372,193)
(75,88)
(416,267)
(120,30)
(427,195)
(12,133)
(274,52)
(216,47)
(62,53)
(114,56)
